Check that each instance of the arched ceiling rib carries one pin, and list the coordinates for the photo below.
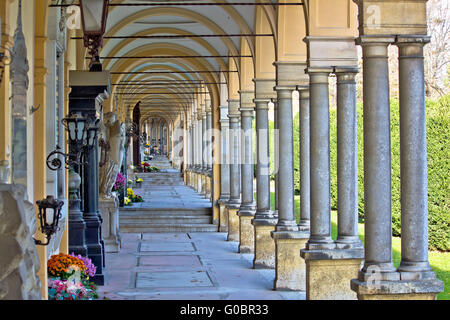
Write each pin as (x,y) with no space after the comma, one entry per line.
(177,77)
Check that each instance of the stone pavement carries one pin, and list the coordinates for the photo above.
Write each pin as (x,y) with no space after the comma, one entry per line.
(186,266)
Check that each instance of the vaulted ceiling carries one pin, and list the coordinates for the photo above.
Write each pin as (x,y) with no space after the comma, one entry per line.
(148,32)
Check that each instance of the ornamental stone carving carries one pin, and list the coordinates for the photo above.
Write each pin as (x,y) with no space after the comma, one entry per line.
(113,133)
(19,261)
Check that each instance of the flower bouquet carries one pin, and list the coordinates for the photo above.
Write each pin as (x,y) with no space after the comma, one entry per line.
(119,187)
(132,197)
(69,278)
(138,182)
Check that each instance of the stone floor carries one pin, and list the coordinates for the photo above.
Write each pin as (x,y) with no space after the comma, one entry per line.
(186,266)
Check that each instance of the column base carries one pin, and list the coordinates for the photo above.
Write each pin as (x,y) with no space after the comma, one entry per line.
(397,290)
(233,223)
(223,215)
(246,232)
(290,269)
(329,272)
(264,244)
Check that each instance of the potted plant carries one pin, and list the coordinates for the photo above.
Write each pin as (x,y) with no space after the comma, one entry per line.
(69,278)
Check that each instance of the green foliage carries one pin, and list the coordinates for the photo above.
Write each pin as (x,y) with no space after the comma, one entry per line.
(438,141)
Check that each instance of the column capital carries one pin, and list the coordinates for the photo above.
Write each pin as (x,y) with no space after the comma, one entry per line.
(262,104)
(412,39)
(233,107)
(370,40)
(304,94)
(291,73)
(346,74)
(246,111)
(411,46)
(319,75)
(264,88)
(327,51)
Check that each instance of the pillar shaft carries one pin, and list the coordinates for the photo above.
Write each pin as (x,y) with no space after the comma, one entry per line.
(208,140)
(286,216)
(413,156)
(199,142)
(235,187)
(305,201)
(247,167)
(377,156)
(204,153)
(320,237)
(347,158)
(224,164)
(263,159)
(276,151)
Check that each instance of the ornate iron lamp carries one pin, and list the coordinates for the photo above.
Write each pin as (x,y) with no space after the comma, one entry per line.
(48,221)
(82,133)
(93,18)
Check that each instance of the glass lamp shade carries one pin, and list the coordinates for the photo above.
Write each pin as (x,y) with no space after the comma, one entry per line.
(91,136)
(49,220)
(76,128)
(93,16)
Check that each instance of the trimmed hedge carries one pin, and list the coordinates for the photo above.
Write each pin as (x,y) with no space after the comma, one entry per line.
(438,145)
(438,142)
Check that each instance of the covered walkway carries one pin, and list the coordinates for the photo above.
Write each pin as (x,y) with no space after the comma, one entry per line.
(186,266)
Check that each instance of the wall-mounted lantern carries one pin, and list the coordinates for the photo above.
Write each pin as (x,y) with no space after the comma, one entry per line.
(93,18)
(49,220)
(82,133)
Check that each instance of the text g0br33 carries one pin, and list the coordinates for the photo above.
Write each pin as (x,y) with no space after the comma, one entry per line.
(243,309)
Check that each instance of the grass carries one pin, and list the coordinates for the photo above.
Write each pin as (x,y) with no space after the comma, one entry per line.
(439,261)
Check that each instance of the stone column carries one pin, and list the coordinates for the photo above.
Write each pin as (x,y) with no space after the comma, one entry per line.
(305,201)
(204,151)
(320,237)
(276,151)
(209,150)
(224,169)
(377,161)
(194,151)
(234,203)
(265,219)
(338,264)
(415,279)
(248,207)
(290,268)
(347,160)
(199,150)
(413,155)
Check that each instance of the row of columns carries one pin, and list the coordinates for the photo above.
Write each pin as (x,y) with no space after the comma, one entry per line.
(199,160)
(304,254)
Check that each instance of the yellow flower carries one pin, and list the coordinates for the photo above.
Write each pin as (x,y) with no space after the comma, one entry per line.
(130,193)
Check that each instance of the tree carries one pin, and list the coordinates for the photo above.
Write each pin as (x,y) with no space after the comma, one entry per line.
(436,53)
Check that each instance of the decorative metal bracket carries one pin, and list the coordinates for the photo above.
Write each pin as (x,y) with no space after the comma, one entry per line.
(56,163)
(33,109)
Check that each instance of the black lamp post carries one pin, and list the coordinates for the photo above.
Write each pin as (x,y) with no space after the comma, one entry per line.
(91,215)
(76,126)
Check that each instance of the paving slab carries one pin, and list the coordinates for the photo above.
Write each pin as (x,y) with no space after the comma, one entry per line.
(174,279)
(215,271)
(186,261)
(166,246)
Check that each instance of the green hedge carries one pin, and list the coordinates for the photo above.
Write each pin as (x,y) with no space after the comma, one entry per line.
(438,144)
